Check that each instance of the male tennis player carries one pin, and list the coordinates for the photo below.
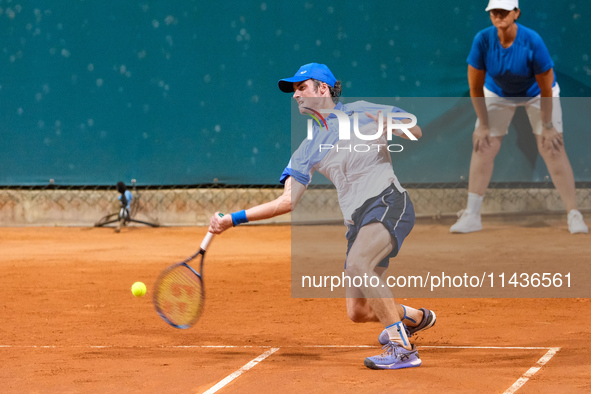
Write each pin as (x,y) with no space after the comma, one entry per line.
(377,210)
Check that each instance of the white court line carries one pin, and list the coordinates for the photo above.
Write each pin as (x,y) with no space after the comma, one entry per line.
(245,368)
(520,382)
(530,372)
(262,347)
(491,347)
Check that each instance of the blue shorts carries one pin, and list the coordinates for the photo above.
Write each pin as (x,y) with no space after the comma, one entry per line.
(391,208)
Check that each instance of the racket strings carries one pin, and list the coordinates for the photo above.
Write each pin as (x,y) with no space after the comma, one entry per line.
(179,298)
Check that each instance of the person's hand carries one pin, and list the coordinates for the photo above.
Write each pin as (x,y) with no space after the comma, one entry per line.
(552,140)
(384,127)
(481,138)
(218,224)
(376,119)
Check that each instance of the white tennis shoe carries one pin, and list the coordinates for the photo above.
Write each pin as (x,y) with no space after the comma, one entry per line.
(576,225)
(468,222)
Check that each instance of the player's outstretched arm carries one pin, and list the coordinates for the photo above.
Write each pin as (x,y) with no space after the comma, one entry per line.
(285,203)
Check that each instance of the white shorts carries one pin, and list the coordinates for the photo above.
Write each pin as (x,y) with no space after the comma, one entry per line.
(501,111)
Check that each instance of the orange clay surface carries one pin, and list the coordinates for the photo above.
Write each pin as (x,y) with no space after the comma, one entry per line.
(71,325)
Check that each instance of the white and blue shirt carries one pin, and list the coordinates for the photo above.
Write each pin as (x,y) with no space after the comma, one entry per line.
(511,72)
(357,175)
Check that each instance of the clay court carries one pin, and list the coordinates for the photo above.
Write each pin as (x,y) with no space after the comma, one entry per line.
(71,324)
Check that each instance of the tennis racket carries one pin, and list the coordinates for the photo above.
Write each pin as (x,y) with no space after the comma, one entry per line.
(179,293)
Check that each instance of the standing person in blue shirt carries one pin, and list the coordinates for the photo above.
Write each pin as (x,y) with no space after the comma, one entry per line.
(377,210)
(509,61)
(125,197)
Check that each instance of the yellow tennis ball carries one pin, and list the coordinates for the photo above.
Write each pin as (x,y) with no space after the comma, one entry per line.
(138,289)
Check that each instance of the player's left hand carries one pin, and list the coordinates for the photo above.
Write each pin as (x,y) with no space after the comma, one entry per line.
(218,224)
(371,128)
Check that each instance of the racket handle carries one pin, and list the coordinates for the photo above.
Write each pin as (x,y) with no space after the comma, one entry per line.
(208,237)
(206,240)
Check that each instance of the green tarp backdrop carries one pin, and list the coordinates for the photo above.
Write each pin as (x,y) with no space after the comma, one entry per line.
(185,92)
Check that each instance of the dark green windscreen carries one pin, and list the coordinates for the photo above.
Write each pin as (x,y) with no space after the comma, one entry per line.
(185,92)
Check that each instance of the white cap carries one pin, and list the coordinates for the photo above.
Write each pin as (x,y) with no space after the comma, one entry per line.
(508,5)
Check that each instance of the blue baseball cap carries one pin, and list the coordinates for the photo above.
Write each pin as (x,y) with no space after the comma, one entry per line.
(316,71)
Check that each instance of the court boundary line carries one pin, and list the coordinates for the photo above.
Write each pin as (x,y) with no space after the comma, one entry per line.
(262,347)
(551,352)
(530,372)
(222,383)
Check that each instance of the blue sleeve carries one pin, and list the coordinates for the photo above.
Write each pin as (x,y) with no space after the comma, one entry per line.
(286,174)
(476,57)
(299,167)
(298,176)
(542,61)
(128,197)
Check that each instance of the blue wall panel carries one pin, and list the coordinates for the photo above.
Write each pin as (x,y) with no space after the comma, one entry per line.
(185,92)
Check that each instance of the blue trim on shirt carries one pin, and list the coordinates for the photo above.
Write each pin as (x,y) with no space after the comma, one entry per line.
(298,176)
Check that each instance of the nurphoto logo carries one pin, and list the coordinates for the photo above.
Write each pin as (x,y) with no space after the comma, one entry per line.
(393,127)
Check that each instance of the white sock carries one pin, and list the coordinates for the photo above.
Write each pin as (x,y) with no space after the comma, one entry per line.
(474,203)
(412,316)
(397,334)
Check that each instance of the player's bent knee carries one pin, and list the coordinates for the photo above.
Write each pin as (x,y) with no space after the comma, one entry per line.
(357,316)
(359,312)
(354,270)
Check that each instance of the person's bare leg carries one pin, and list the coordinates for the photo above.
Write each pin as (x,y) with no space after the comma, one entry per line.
(481,169)
(373,244)
(359,310)
(560,171)
(481,166)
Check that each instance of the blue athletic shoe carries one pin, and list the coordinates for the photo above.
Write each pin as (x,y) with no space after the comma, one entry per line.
(428,321)
(394,357)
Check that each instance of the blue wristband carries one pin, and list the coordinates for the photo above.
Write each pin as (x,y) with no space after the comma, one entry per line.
(239,218)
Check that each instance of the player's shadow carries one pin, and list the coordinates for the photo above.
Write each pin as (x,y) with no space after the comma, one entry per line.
(308,356)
